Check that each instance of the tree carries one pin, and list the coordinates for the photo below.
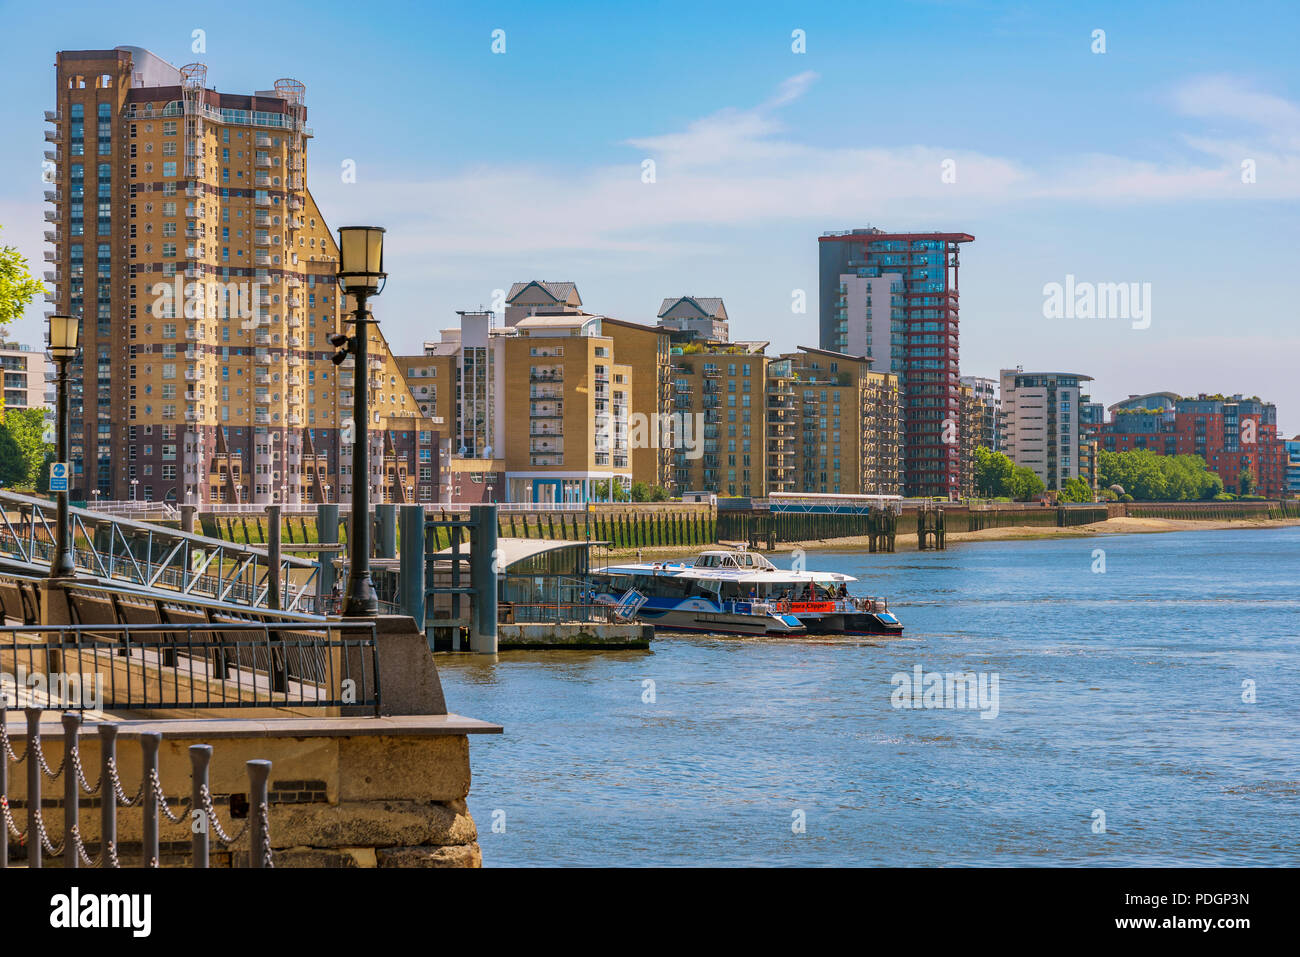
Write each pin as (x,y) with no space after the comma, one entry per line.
(13,470)
(1246,482)
(993,473)
(1075,490)
(1025,484)
(26,427)
(17,287)
(1147,476)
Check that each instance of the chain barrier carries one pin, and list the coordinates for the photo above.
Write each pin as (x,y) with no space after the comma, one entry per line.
(211,812)
(110,781)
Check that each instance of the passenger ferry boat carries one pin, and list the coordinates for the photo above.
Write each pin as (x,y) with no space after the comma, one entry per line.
(734,591)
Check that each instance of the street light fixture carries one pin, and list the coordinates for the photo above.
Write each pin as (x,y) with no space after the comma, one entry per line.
(64,333)
(361,275)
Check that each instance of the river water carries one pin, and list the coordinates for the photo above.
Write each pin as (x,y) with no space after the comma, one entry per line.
(1121,734)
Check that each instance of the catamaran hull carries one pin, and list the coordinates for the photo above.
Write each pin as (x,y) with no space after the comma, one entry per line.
(720,623)
(865,623)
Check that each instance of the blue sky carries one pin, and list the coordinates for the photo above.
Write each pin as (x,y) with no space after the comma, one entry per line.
(489,168)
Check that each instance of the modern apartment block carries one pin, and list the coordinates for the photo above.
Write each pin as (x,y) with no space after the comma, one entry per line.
(893,297)
(985,391)
(185,236)
(1233,434)
(846,424)
(1040,422)
(720,390)
(25,370)
(645,350)
(563,370)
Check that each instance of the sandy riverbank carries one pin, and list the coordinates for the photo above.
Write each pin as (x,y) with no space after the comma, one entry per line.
(1112,526)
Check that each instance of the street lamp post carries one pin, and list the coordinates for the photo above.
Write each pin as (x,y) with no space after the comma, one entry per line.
(64,332)
(361,275)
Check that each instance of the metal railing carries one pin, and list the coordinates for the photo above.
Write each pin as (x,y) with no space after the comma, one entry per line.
(111,794)
(150,556)
(220,665)
(548,612)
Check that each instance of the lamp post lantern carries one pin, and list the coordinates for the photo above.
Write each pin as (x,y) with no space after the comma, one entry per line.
(64,333)
(361,275)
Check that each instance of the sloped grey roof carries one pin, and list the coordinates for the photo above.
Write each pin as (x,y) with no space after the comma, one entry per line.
(708,306)
(560,290)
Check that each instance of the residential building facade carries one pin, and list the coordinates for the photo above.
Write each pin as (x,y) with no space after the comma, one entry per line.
(1040,422)
(186,238)
(25,372)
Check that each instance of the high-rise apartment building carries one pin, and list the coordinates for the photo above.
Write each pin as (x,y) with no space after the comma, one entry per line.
(1041,426)
(186,238)
(893,297)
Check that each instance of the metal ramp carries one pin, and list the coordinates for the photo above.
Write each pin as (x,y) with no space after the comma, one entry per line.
(119,552)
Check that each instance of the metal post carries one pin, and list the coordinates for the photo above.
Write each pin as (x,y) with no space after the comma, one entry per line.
(386,538)
(259,843)
(61,566)
(483,571)
(361,599)
(273,557)
(149,742)
(411,581)
(107,794)
(200,759)
(71,790)
(34,849)
(327,533)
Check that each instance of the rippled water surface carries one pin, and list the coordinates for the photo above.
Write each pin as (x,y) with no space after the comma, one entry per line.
(1118,692)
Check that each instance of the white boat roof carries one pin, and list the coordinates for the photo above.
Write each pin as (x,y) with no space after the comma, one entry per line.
(750,575)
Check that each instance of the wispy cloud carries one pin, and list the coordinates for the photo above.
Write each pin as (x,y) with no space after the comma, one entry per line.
(740,167)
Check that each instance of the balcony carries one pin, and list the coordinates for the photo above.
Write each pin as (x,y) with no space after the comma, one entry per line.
(546,375)
(52,136)
(191,333)
(265,358)
(262,259)
(192,375)
(261,219)
(51,216)
(262,200)
(295,322)
(295,360)
(263,162)
(261,418)
(263,139)
(261,376)
(261,179)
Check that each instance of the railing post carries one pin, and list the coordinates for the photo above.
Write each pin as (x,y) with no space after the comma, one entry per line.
(107,794)
(411,582)
(200,759)
(71,789)
(386,531)
(273,557)
(149,742)
(34,848)
(483,571)
(259,842)
(327,533)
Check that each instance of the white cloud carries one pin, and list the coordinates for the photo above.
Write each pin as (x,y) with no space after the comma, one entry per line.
(740,167)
